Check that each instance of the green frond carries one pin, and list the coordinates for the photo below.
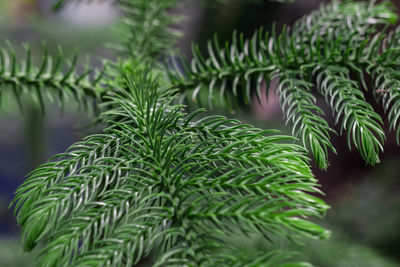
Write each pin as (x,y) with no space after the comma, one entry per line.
(146,29)
(227,69)
(298,105)
(384,66)
(387,86)
(159,179)
(334,35)
(48,78)
(344,18)
(357,116)
(163,187)
(240,67)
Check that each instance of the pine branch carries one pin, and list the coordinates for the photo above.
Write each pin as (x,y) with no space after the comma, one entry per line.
(162,185)
(239,68)
(146,29)
(388,90)
(336,35)
(384,64)
(363,125)
(157,179)
(48,78)
(298,105)
(342,19)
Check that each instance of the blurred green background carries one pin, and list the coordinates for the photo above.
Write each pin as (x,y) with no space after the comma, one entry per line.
(365,201)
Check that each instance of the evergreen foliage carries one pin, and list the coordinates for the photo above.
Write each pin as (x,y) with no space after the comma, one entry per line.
(167,186)
(152,21)
(161,180)
(328,45)
(27,79)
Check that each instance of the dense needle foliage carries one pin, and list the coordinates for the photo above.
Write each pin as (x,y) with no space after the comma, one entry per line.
(168,187)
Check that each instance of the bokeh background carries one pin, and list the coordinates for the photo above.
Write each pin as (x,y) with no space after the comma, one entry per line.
(365,214)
